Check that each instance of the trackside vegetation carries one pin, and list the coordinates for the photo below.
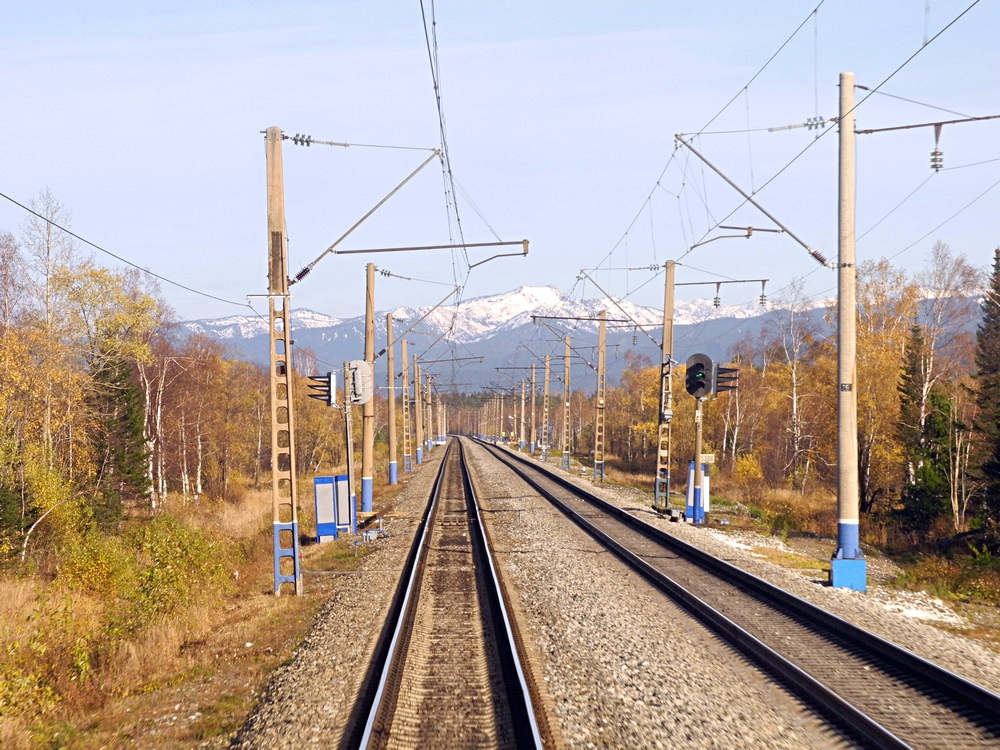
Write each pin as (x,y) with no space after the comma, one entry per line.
(135,518)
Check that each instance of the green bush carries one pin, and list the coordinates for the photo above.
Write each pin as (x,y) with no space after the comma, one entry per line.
(975,578)
(154,569)
(97,564)
(177,567)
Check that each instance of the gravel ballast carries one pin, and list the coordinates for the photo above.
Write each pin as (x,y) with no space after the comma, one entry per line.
(617,664)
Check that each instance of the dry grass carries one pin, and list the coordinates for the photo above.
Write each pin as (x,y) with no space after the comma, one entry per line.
(637,481)
(208,659)
(17,597)
(780,510)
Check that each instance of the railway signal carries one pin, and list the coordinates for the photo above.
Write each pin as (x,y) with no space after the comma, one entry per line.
(698,380)
(324,387)
(724,379)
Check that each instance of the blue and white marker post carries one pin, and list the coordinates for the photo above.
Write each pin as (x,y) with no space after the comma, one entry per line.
(418,410)
(697,514)
(698,495)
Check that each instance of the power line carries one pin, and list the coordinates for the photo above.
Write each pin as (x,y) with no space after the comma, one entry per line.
(912,101)
(957,213)
(858,104)
(702,131)
(430,39)
(124,260)
(763,67)
(876,89)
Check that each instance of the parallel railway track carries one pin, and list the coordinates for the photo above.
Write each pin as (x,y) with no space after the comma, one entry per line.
(447,671)
(872,690)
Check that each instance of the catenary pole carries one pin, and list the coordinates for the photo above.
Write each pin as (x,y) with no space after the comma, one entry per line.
(368,408)
(418,408)
(407,427)
(661,489)
(567,451)
(848,568)
(533,435)
(601,383)
(285,520)
(390,365)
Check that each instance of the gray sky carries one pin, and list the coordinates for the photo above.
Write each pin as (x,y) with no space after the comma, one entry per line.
(146,120)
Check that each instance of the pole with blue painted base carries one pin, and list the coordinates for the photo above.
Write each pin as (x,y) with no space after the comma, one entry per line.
(390,362)
(698,514)
(366,494)
(847,567)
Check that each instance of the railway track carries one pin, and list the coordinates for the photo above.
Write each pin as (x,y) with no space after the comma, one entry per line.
(872,690)
(446,671)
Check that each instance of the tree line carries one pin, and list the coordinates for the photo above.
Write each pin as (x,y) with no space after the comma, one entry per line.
(106,410)
(928,389)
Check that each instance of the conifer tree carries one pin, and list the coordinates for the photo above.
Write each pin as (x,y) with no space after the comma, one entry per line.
(120,447)
(987,389)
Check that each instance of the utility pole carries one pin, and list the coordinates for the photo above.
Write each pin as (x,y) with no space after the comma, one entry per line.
(546,437)
(601,382)
(499,431)
(599,416)
(390,365)
(661,489)
(848,568)
(285,520)
(407,446)
(418,398)
(368,407)
(567,449)
(532,435)
(520,436)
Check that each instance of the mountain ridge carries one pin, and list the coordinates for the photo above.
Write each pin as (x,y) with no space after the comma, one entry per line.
(500,327)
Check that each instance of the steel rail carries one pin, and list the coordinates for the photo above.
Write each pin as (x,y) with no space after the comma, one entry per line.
(373,698)
(850,719)
(525,722)
(373,691)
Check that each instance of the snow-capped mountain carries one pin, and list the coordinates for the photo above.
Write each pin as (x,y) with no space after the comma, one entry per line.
(471,320)
(238,327)
(495,327)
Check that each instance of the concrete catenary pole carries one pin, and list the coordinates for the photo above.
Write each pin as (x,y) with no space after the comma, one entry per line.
(601,382)
(848,567)
(661,490)
(390,366)
(368,408)
(533,435)
(428,416)
(418,409)
(285,523)
(567,448)
(546,436)
(520,436)
(407,428)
